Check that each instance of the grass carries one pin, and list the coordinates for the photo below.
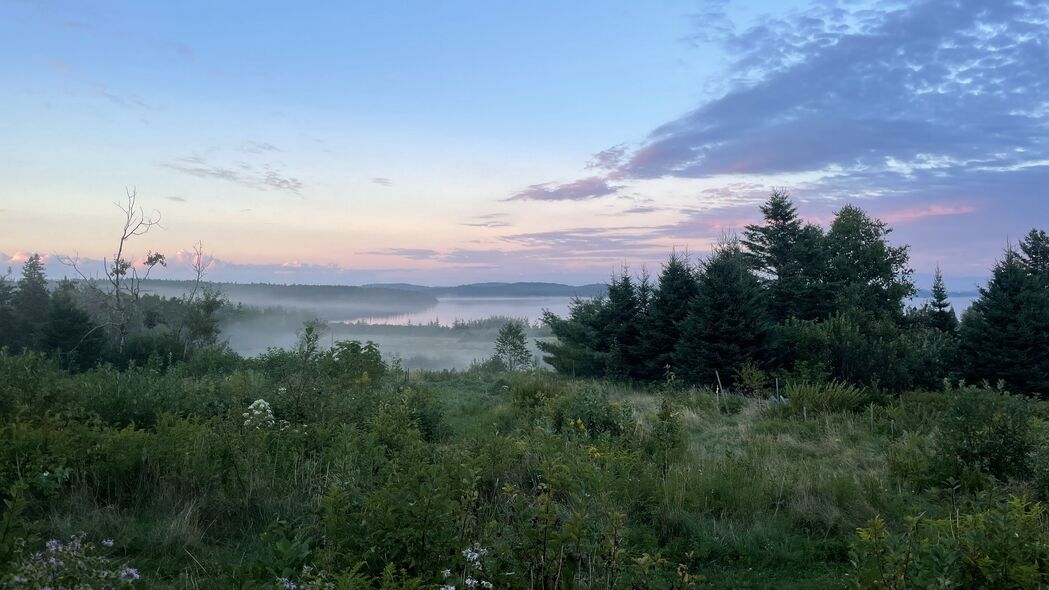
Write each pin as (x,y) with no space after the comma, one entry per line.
(752,494)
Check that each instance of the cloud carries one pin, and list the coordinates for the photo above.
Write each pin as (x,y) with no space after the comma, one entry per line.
(382,181)
(257,147)
(488,220)
(176,199)
(244,174)
(608,159)
(919,213)
(586,188)
(840,92)
(411,253)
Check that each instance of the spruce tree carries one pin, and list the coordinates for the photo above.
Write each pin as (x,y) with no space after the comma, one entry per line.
(621,334)
(30,304)
(1005,334)
(789,255)
(577,347)
(941,312)
(726,323)
(1034,253)
(670,304)
(8,325)
(70,333)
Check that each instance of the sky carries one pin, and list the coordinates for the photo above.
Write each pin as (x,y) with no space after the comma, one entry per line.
(453,142)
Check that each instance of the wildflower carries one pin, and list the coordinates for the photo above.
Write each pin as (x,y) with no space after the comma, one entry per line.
(446,573)
(486,584)
(471,582)
(107,542)
(287,584)
(53,546)
(129,573)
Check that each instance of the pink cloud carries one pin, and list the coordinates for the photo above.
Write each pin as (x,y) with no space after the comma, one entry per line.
(917,213)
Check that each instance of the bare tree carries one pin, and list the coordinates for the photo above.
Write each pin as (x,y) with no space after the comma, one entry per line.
(123,277)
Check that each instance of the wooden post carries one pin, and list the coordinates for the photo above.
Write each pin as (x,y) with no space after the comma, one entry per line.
(718,390)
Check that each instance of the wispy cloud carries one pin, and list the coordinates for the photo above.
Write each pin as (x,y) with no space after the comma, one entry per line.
(177,199)
(918,213)
(382,181)
(244,174)
(586,188)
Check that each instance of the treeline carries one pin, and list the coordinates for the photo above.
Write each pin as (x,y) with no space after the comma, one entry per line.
(790,300)
(84,323)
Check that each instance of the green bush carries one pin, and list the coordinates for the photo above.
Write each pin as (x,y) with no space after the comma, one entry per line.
(806,398)
(985,432)
(1004,546)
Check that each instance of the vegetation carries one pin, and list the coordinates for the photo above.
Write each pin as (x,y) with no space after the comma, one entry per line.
(713,428)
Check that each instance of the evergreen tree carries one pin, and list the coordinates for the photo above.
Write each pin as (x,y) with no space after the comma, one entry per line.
(30,304)
(8,324)
(789,255)
(1034,253)
(670,304)
(70,333)
(866,273)
(1005,334)
(940,311)
(511,346)
(621,333)
(726,323)
(577,347)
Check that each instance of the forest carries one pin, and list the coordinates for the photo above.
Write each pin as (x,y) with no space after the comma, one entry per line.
(777,414)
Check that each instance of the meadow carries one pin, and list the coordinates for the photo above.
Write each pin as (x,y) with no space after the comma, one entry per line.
(309,468)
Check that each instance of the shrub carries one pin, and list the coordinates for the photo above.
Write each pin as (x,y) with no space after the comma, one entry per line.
(588,411)
(987,432)
(805,398)
(1004,546)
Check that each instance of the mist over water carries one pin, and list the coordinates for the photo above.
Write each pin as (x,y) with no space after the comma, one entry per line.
(450,310)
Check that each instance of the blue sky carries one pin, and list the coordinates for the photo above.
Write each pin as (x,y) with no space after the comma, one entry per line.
(460,141)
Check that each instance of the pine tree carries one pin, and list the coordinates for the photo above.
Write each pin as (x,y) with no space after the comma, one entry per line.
(670,303)
(30,304)
(867,275)
(622,327)
(1005,334)
(726,323)
(577,348)
(511,346)
(1034,253)
(790,256)
(70,333)
(8,325)
(941,312)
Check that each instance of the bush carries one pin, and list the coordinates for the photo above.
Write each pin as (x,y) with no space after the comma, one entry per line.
(1004,546)
(986,432)
(804,398)
(588,411)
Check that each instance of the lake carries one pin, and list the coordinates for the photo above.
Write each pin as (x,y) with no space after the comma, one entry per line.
(451,309)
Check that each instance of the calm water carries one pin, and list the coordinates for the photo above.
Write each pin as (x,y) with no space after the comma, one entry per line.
(450,309)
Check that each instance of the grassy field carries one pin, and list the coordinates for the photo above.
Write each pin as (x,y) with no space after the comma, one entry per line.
(371,482)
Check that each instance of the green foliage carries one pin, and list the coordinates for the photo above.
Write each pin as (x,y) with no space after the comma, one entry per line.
(511,346)
(866,274)
(985,432)
(726,322)
(1003,546)
(666,312)
(792,257)
(804,398)
(1005,334)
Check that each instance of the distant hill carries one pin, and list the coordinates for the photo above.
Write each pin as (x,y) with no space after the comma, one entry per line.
(501,289)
